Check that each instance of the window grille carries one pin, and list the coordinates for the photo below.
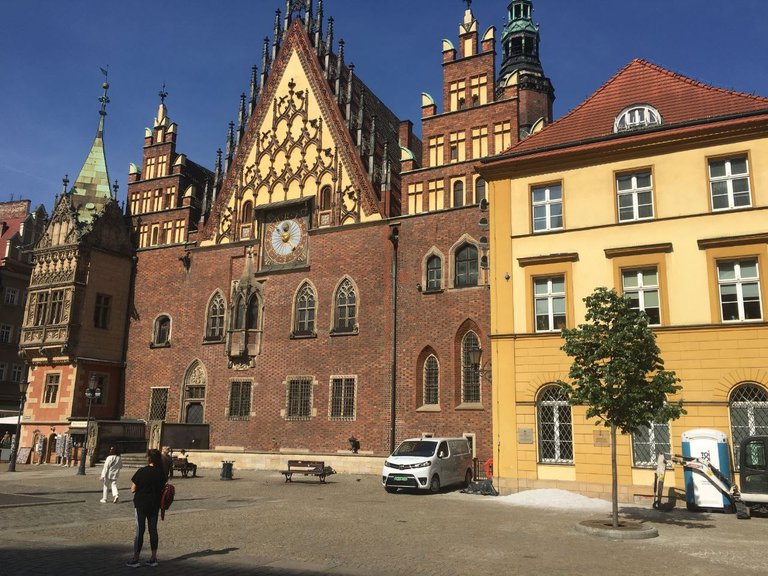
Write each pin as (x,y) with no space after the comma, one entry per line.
(649,442)
(555,434)
(431,381)
(158,404)
(299,399)
(240,400)
(749,415)
(343,397)
(470,375)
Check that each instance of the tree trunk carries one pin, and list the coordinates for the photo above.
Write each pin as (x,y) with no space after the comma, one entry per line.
(614,480)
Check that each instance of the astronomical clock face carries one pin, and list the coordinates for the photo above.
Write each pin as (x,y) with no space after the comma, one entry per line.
(285,241)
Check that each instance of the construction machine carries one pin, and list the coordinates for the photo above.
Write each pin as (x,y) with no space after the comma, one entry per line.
(753,476)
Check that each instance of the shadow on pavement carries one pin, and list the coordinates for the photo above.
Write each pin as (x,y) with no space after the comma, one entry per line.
(108,560)
(681,518)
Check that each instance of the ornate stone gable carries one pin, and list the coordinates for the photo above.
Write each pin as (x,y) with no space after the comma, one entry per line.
(296,144)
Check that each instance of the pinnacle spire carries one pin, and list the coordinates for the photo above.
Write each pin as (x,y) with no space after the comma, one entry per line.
(92,184)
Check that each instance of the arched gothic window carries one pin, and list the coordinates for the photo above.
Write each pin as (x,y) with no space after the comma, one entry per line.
(252,317)
(325,198)
(458,193)
(431,393)
(194,393)
(479,190)
(345,313)
(240,311)
(470,375)
(466,267)
(553,414)
(304,322)
(749,414)
(246,215)
(214,327)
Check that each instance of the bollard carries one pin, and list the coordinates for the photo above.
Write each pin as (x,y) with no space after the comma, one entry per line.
(226,469)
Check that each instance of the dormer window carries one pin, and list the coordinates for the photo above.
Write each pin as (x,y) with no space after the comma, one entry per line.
(635,117)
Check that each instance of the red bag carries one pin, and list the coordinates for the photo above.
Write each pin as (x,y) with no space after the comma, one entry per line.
(166,498)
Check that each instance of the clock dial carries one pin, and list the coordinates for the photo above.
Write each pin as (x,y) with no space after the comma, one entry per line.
(285,242)
(286,237)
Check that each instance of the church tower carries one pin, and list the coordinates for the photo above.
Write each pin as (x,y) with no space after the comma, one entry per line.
(521,66)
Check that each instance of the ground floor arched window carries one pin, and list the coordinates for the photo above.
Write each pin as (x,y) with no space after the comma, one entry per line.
(749,414)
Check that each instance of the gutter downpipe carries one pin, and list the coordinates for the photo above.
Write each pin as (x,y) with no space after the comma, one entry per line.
(394,237)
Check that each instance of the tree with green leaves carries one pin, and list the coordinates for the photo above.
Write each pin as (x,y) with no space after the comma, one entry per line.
(617,372)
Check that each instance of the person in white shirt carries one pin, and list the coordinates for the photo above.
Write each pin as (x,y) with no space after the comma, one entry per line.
(109,473)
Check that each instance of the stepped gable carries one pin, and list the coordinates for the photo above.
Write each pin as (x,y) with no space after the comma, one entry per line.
(343,116)
(677,98)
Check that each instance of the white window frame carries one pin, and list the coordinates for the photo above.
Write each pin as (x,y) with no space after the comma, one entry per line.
(634,193)
(642,288)
(653,442)
(637,116)
(550,296)
(728,178)
(547,203)
(11,297)
(739,281)
(558,442)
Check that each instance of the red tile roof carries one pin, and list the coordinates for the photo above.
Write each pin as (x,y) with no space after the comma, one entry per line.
(677,98)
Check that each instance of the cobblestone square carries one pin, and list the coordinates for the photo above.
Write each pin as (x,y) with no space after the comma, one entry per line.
(53,524)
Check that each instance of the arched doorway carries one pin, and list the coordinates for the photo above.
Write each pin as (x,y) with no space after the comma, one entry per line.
(195,383)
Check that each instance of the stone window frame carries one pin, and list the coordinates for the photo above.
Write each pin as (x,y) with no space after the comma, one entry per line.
(333,398)
(305,284)
(469,373)
(434,252)
(51,390)
(348,331)
(463,241)
(285,413)
(207,337)
(243,414)
(154,342)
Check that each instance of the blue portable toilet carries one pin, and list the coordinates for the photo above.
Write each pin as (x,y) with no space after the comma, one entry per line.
(713,445)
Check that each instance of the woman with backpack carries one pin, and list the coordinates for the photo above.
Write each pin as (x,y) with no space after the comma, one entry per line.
(147,487)
(109,473)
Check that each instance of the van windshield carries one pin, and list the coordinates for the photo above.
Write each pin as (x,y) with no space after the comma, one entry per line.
(415,448)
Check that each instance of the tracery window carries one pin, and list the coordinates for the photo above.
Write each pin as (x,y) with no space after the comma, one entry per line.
(470,375)
(214,328)
(345,314)
(304,322)
(431,393)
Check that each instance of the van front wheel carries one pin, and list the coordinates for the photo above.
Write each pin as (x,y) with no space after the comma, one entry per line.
(434,485)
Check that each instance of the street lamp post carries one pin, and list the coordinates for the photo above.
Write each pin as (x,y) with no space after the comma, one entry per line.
(93,391)
(17,439)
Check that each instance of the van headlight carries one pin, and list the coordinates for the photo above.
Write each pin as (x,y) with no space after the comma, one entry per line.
(426,464)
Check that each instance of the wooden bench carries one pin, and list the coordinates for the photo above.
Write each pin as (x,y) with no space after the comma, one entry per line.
(183,466)
(307,468)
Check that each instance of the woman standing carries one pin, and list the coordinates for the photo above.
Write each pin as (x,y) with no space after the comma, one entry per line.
(109,473)
(147,487)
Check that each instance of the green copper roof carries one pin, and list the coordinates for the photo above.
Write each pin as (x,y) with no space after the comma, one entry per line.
(92,189)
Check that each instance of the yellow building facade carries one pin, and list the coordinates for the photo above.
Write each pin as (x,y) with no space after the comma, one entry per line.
(658,186)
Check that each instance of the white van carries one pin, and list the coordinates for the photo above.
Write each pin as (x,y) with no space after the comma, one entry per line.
(428,464)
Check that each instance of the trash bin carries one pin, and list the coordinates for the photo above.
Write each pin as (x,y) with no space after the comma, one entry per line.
(713,445)
(226,469)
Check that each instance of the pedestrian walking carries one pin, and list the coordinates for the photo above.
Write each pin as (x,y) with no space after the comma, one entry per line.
(109,473)
(147,487)
(167,462)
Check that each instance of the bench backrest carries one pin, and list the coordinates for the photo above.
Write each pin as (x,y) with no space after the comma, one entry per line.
(306,464)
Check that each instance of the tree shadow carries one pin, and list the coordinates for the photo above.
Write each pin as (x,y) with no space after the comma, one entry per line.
(671,517)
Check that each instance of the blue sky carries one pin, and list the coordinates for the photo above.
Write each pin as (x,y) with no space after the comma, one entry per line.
(51,52)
